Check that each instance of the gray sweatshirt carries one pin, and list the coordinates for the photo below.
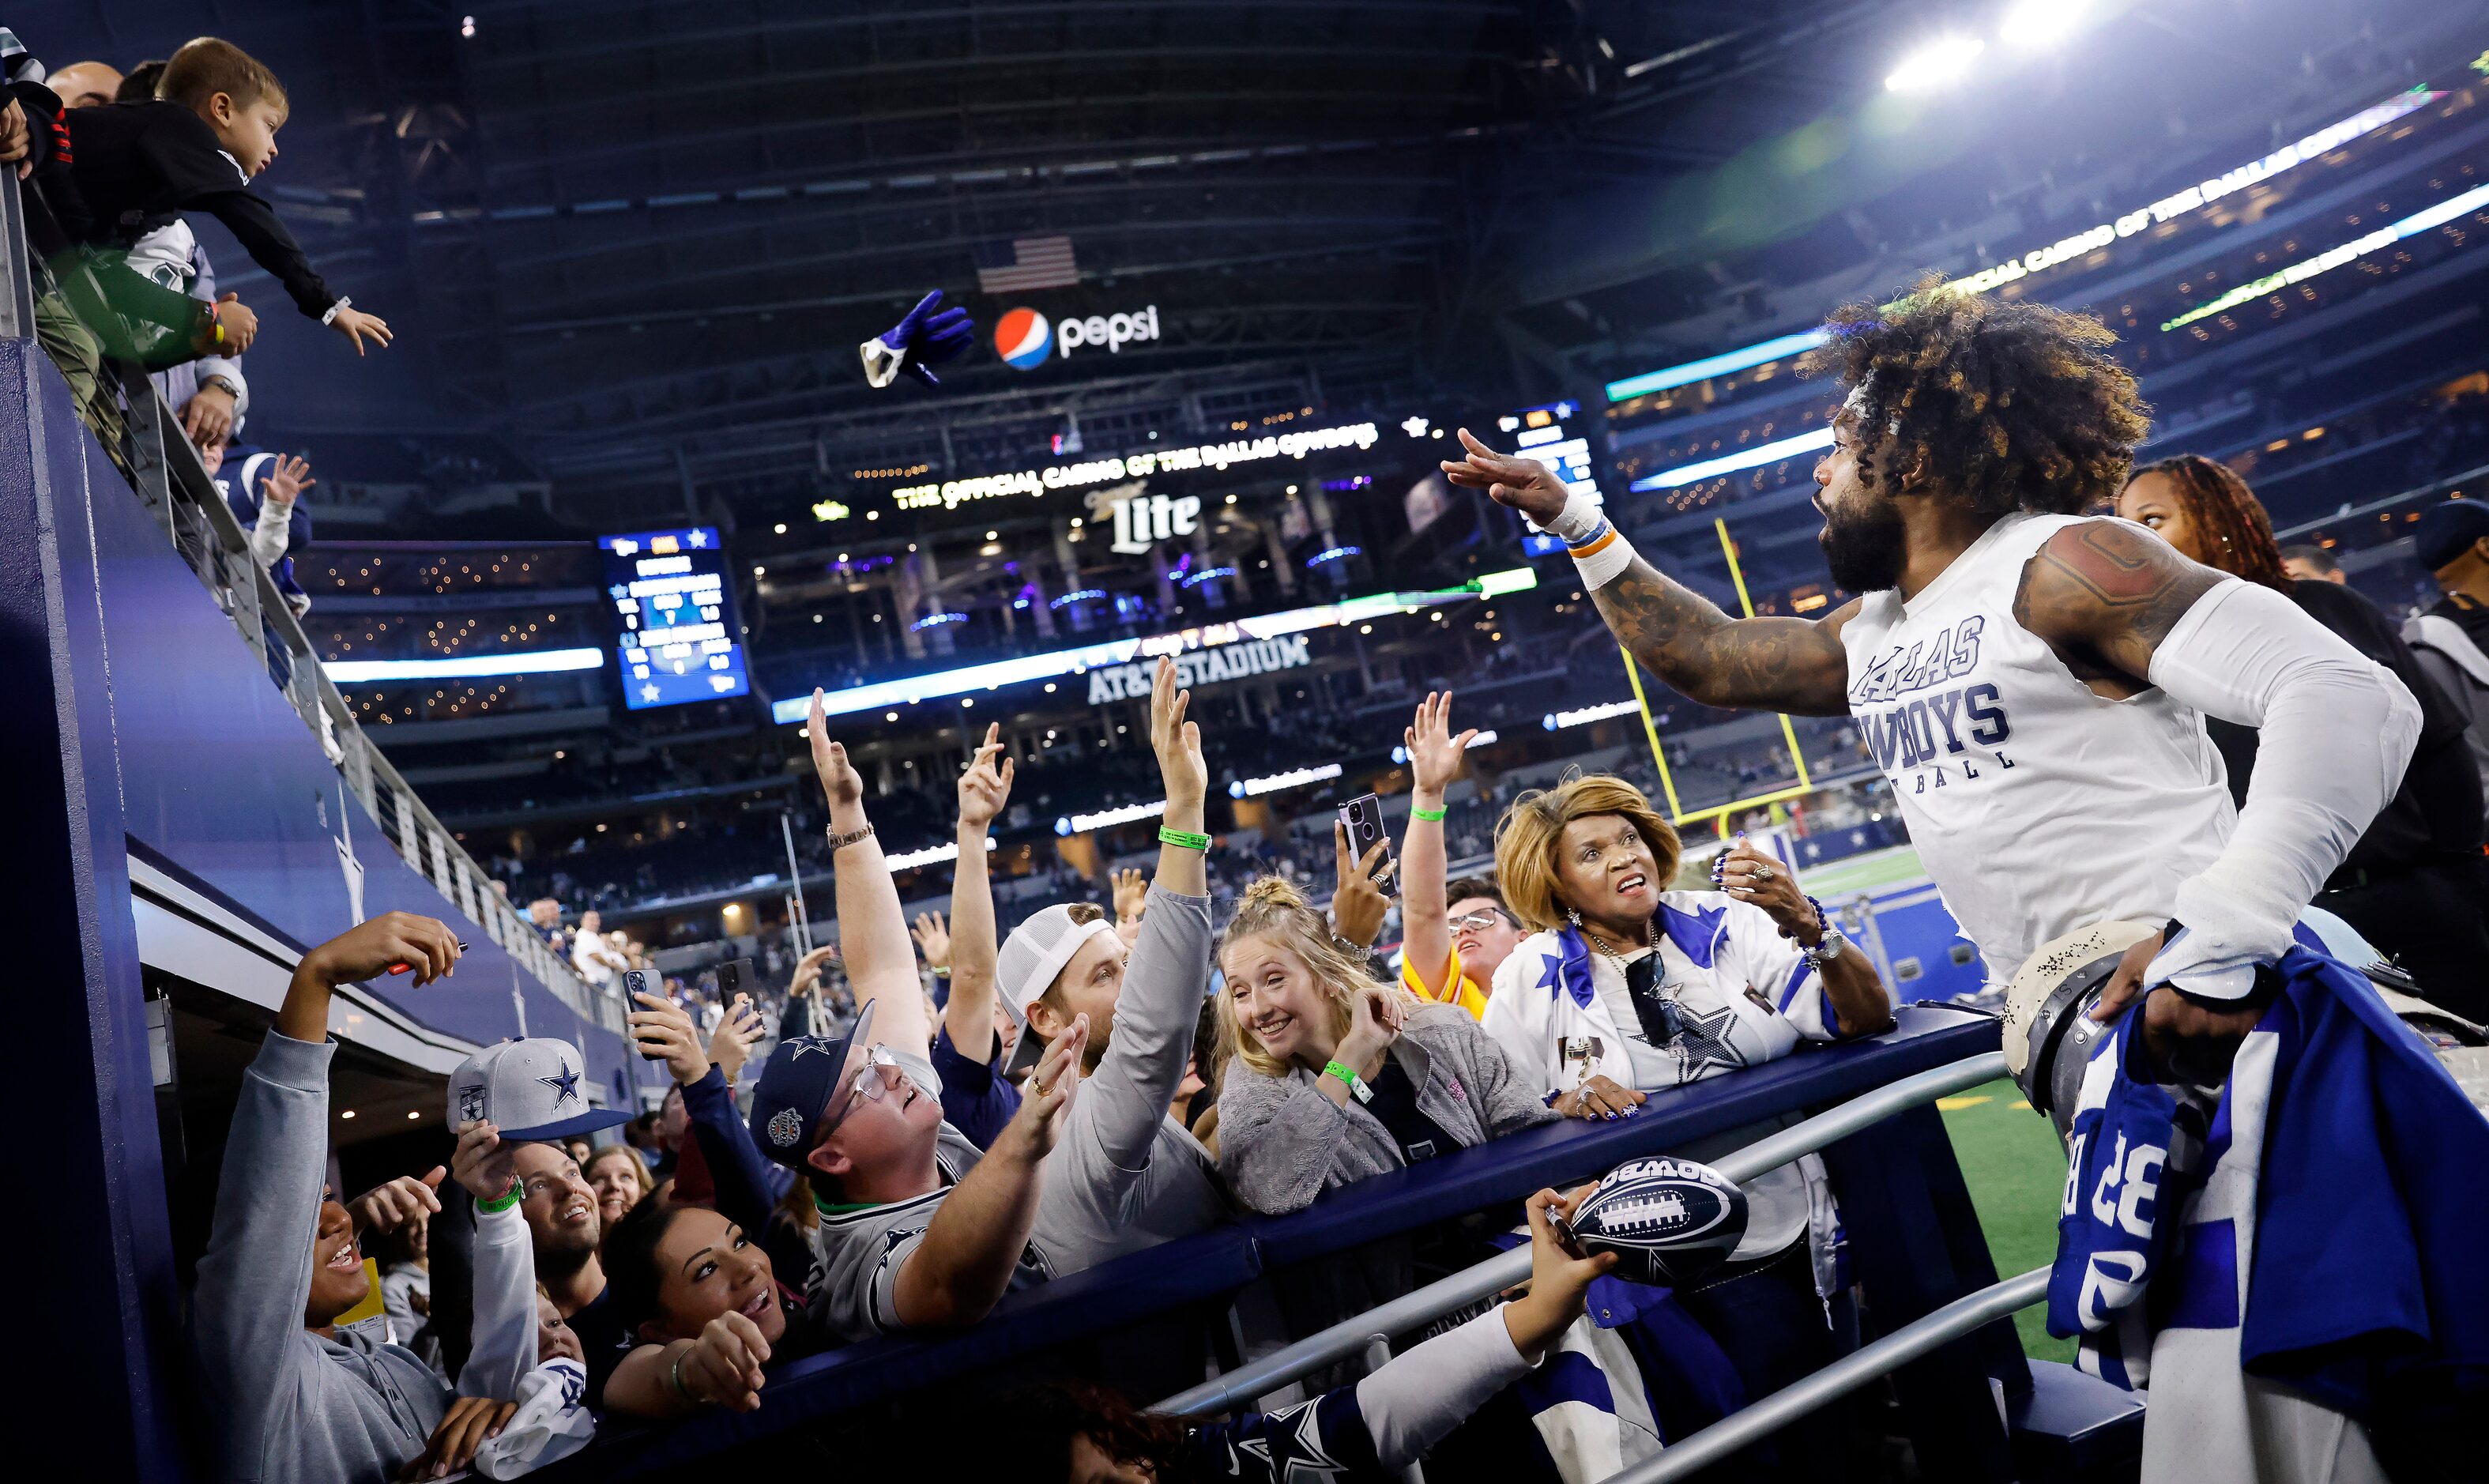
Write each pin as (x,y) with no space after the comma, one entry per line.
(1283,1141)
(1125,1177)
(293,1406)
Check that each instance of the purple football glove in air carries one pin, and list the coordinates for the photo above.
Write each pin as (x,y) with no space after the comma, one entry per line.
(928,335)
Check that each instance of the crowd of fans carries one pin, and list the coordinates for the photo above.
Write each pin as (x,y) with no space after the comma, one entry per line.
(931,1115)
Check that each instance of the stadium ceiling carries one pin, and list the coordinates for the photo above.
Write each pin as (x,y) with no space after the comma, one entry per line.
(642,241)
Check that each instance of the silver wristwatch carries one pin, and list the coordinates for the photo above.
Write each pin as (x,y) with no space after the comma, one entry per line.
(1827,949)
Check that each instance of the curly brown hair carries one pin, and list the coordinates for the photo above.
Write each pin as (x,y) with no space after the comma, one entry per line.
(2012,406)
(2227,517)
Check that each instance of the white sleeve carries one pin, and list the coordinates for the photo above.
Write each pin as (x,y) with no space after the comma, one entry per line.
(275,523)
(505,1329)
(2337,730)
(1509,1021)
(1413,1401)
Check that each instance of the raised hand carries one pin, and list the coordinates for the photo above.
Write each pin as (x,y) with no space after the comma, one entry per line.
(482,1162)
(723,1366)
(1176,740)
(1045,1106)
(391,1204)
(241,323)
(288,477)
(1559,1280)
(739,1031)
(984,786)
(808,969)
(1524,484)
(382,945)
(841,782)
(1357,903)
(933,935)
(1131,894)
(1748,874)
(1373,1027)
(1434,753)
(664,1028)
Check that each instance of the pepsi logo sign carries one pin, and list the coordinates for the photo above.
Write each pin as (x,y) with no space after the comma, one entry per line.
(1023,338)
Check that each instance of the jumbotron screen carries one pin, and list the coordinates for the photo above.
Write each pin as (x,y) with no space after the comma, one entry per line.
(677,637)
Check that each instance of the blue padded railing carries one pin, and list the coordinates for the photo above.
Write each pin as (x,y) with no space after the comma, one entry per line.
(1213,1266)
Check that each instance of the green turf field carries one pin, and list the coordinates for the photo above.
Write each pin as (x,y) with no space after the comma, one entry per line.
(2017,1173)
(1876,870)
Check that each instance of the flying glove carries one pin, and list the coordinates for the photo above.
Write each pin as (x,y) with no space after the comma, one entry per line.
(929,335)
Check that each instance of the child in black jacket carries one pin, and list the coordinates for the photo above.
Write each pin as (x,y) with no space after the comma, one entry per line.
(122,169)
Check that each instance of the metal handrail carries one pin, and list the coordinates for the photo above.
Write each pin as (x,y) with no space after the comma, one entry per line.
(168,478)
(1242,1386)
(1757,1420)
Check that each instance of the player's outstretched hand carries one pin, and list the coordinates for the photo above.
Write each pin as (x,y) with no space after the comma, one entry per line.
(1524,484)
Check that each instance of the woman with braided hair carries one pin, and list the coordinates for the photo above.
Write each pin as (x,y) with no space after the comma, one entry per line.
(2411,884)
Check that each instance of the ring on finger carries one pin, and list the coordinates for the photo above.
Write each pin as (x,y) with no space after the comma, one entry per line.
(1761,874)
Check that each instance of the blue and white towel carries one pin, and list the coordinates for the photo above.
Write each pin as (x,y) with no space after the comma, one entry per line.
(2294,1262)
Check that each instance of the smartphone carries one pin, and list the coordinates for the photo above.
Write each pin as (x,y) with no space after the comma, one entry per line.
(1364,816)
(733,978)
(638,982)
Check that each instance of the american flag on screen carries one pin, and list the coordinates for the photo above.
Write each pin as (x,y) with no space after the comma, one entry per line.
(1024,263)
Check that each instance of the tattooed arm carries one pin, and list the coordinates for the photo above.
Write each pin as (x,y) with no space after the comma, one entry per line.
(1794,664)
(2337,730)
(2104,594)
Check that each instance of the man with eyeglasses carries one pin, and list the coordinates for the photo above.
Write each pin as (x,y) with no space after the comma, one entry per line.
(917,1227)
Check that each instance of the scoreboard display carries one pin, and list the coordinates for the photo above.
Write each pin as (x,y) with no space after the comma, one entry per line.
(676,633)
(1548,434)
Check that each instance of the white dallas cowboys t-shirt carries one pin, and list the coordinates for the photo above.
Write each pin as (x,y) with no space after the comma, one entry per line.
(2038,806)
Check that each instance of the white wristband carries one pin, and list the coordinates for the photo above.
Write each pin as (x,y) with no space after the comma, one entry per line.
(1577,522)
(1603,557)
(343,303)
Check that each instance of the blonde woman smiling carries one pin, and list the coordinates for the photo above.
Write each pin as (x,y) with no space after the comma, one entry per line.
(1337,1077)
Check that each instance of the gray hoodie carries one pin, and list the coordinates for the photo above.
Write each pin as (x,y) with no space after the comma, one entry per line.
(290,1406)
(1283,1141)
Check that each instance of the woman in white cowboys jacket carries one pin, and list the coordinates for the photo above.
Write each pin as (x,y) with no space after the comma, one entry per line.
(1625,984)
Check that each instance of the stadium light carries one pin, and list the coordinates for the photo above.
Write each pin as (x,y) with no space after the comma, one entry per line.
(1297,778)
(540,662)
(1081,824)
(1746,458)
(1554,720)
(1937,64)
(930,855)
(1054,663)
(2035,24)
(2427,220)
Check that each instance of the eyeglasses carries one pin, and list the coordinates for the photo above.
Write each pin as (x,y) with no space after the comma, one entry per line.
(1476,922)
(870,1081)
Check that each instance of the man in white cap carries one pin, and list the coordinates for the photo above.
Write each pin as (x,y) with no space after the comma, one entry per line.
(535,1093)
(905,1195)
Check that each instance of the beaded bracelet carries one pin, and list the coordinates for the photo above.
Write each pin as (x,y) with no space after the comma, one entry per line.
(1183,838)
(1822,924)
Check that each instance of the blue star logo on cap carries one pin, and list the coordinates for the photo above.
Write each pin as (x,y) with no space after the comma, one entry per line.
(802,1044)
(566,1086)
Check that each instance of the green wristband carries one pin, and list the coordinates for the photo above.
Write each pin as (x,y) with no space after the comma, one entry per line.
(1347,1078)
(505,1200)
(1184,839)
(1430,815)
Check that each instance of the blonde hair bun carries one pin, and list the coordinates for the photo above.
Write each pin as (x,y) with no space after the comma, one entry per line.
(1273,892)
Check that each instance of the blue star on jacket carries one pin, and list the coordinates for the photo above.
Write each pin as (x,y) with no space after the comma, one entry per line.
(566,1085)
(1698,934)
(1702,1042)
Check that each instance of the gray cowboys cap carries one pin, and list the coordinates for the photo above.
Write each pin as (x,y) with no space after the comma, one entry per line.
(532,1089)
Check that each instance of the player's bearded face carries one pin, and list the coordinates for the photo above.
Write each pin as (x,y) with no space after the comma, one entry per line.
(1862,537)
(1863,542)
